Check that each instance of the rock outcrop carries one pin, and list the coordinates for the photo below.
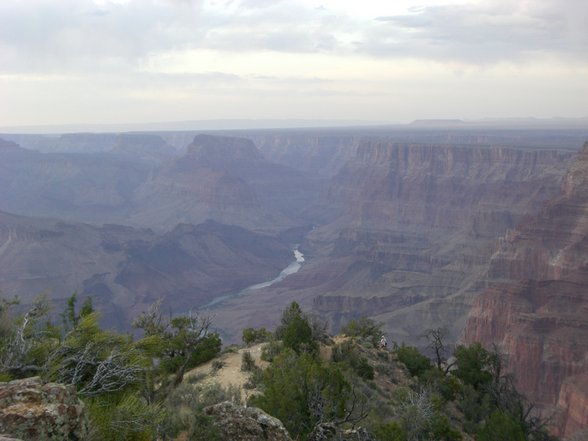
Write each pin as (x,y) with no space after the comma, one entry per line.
(536,304)
(35,411)
(238,423)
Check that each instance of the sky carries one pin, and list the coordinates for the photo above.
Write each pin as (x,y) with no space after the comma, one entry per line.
(138,61)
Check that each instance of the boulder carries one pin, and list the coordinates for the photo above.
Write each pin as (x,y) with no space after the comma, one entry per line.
(238,423)
(37,411)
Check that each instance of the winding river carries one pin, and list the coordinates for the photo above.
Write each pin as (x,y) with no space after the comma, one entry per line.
(293,268)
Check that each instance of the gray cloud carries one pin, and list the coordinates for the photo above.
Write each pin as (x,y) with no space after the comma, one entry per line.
(484,33)
(51,36)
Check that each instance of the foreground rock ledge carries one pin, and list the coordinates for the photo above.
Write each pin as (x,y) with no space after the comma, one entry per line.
(34,411)
(238,423)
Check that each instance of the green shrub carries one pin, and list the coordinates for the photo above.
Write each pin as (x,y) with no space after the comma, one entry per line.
(415,362)
(215,393)
(390,432)
(445,385)
(365,328)
(296,386)
(255,379)
(123,418)
(441,429)
(202,428)
(271,350)
(500,427)
(295,330)
(251,335)
(473,365)
(346,354)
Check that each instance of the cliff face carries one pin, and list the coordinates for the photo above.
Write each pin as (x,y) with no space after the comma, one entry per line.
(417,223)
(536,306)
(417,186)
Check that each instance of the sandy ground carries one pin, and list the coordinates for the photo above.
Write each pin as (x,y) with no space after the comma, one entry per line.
(230,373)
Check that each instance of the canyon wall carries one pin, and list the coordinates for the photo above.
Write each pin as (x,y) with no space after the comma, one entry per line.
(417,225)
(536,304)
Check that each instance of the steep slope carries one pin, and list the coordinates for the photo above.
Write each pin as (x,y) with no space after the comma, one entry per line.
(536,306)
(125,269)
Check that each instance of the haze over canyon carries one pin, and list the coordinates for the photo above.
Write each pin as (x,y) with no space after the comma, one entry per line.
(479,229)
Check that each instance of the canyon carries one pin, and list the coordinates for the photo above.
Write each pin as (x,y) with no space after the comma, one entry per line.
(479,231)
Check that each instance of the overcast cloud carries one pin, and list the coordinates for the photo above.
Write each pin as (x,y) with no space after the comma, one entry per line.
(75,60)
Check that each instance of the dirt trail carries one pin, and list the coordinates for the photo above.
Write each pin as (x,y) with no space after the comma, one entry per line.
(230,373)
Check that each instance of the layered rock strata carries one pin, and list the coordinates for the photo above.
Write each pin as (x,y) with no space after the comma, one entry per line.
(536,304)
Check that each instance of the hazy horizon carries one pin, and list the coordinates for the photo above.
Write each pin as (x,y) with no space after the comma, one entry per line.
(80,62)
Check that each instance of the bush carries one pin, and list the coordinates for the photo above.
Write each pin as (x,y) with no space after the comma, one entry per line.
(501,427)
(247,362)
(251,335)
(365,328)
(415,362)
(442,430)
(184,410)
(346,354)
(217,365)
(474,365)
(271,350)
(255,379)
(300,391)
(215,393)
(124,418)
(390,432)
(445,385)
(295,330)
(202,428)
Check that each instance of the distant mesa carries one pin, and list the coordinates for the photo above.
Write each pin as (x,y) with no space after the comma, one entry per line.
(437,122)
(209,147)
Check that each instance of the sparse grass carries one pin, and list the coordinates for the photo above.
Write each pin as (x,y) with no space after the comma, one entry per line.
(217,365)
(196,378)
(247,362)
(255,379)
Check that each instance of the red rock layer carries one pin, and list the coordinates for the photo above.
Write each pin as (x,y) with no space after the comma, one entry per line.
(536,305)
